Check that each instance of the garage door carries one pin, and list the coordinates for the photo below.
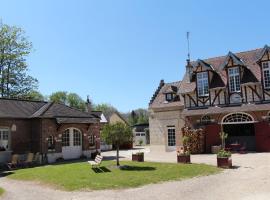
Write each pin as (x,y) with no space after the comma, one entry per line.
(71,144)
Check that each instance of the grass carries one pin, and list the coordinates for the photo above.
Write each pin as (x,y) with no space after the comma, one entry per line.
(75,176)
(2,191)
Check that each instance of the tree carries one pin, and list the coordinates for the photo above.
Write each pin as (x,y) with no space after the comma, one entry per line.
(138,116)
(116,134)
(70,99)
(106,108)
(35,95)
(132,118)
(75,101)
(59,97)
(14,48)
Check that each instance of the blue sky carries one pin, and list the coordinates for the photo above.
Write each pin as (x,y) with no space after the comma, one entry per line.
(117,51)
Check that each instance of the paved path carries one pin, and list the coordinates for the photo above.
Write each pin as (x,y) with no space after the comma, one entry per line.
(249,181)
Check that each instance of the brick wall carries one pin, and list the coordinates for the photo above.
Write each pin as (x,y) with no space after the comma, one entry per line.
(50,127)
(21,138)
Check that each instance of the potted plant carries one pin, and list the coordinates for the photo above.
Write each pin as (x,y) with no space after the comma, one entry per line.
(224,158)
(183,154)
(139,157)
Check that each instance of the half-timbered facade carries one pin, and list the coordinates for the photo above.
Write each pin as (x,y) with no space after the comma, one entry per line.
(229,93)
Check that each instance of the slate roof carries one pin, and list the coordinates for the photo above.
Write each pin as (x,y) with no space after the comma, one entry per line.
(248,59)
(11,108)
(160,101)
(16,108)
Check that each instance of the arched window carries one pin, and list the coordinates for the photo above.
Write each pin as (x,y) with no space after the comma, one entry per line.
(65,138)
(76,138)
(237,118)
(206,119)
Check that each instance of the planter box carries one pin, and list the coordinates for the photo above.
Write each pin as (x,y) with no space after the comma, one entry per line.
(183,158)
(224,162)
(138,157)
(215,149)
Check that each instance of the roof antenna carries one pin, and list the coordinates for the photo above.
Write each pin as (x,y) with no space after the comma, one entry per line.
(188,45)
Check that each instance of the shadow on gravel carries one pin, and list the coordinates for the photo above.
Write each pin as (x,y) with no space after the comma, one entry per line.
(6,173)
(235,167)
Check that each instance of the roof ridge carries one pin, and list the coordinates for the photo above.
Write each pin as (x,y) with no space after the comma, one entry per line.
(60,103)
(18,99)
(42,110)
(216,57)
(174,82)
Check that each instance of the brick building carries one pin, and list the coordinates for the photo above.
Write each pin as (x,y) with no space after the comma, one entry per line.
(229,93)
(50,128)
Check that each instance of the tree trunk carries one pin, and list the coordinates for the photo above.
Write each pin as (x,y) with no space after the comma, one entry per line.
(117,155)
(7,83)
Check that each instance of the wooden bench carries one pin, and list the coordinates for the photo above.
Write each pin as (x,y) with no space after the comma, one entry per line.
(96,162)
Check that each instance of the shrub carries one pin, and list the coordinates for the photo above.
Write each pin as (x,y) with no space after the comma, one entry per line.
(223,154)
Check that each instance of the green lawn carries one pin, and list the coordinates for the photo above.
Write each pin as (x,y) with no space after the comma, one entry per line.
(2,191)
(74,176)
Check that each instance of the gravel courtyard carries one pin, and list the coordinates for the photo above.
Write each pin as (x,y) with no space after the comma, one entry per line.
(249,180)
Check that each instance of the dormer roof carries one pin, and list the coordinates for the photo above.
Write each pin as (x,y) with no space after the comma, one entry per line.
(201,65)
(265,54)
(232,60)
(170,89)
(247,58)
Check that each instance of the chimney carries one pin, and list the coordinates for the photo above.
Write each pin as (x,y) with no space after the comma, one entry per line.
(189,70)
(88,105)
(161,83)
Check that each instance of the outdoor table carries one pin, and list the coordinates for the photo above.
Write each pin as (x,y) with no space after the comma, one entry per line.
(235,147)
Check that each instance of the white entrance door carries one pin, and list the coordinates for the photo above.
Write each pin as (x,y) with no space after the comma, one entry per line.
(71,144)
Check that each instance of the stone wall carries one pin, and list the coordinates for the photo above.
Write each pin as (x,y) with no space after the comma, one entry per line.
(158,124)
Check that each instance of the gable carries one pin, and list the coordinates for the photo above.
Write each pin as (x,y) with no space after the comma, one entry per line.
(114,118)
(202,66)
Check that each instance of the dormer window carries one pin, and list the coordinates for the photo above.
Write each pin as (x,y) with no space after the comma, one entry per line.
(169,96)
(266,74)
(234,79)
(202,84)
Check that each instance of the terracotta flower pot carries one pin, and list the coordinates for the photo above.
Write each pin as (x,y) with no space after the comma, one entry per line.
(224,162)
(183,158)
(138,157)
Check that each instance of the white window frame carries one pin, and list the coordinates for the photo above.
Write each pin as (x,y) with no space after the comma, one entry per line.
(169,96)
(234,79)
(237,118)
(171,138)
(266,74)
(202,84)
(5,138)
(77,137)
(66,138)
(51,143)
